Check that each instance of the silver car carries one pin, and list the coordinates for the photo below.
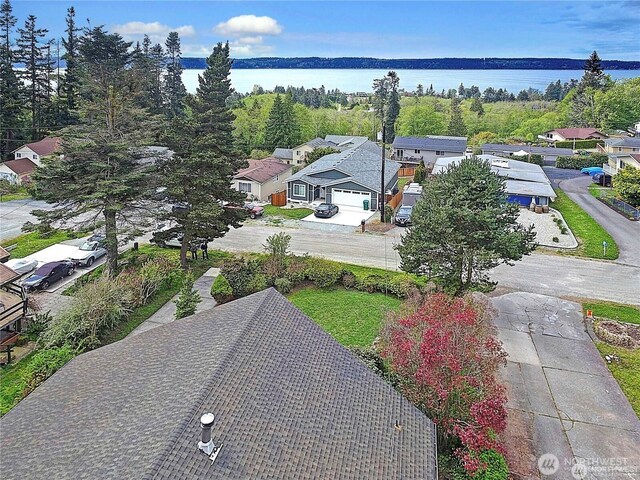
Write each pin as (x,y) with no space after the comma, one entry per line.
(88,253)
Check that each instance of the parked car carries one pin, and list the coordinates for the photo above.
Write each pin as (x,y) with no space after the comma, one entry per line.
(591,171)
(174,239)
(603,179)
(403,216)
(21,265)
(88,253)
(254,210)
(48,274)
(326,210)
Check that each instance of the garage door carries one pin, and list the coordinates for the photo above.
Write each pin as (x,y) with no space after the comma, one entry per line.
(349,197)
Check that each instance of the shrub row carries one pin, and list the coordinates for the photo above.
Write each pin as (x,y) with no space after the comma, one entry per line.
(577,162)
(579,144)
(241,277)
(532,158)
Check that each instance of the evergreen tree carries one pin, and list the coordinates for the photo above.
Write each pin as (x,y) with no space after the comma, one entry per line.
(148,64)
(174,90)
(476,106)
(419,90)
(420,174)
(594,76)
(282,126)
(461,90)
(188,299)
(463,226)
(431,92)
(10,102)
(71,80)
(393,106)
(200,173)
(37,70)
(523,96)
(456,127)
(100,173)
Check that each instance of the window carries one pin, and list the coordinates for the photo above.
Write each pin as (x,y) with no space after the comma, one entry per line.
(400,152)
(244,187)
(277,177)
(299,190)
(416,151)
(439,153)
(35,157)
(18,155)
(298,152)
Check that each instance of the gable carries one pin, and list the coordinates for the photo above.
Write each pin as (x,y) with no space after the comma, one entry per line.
(333,174)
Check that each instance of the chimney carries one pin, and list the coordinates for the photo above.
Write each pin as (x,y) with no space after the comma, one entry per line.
(206,444)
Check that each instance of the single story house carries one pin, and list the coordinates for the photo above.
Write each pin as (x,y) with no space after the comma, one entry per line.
(37,150)
(17,171)
(410,151)
(262,178)
(548,154)
(346,178)
(621,145)
(298,155)
(288,402)
(525,182)
(568,134)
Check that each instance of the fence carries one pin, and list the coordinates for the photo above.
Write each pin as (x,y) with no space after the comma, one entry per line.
(395,200)
(279,199)
(606,197)
(407,172)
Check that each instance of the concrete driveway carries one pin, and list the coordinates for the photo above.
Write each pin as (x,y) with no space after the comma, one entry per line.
(562,399)
(625,232)
(347,216)
(16,213)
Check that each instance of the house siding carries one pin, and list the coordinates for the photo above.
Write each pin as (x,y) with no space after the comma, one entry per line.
(299,198)
(429,157)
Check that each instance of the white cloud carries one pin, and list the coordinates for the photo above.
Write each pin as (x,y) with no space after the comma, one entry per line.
(248,25)
(156,31)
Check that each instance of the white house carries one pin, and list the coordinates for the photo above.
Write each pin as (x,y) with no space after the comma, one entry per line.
(569,134)
(36,150)
(17,171)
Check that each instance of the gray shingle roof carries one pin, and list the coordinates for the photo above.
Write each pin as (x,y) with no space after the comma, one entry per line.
(498,148)
(432,142)
(345,141)
(318,142)
(623,142)
(284,153)
(290,403)
(360,164)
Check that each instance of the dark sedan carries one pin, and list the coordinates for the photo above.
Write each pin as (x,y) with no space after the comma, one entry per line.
(48,274)
(602,179)
(403,216)
(326,210)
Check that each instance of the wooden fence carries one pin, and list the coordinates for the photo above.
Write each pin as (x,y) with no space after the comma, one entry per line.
(279,199)
(407,172)
(395,200)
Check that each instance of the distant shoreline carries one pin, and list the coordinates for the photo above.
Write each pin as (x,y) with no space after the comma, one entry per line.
(355,63)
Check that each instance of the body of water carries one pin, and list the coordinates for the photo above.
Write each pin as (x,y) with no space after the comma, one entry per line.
(356,80)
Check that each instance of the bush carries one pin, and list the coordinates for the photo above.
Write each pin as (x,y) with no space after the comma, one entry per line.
(348,279)
(555,239)
(402,286)
(257,283)
(188,299)
(388,213)
(44,364)
(372,283)
(283,285)
(323,273)
(155,274)
(296,270)
(221,291)
(579,144)
(494,467)
(239,273)
(533,158)
(578,162)
(37,325)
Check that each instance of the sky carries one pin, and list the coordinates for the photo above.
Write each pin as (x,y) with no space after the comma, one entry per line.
(382,29)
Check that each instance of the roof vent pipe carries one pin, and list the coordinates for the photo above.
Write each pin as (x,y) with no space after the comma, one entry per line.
(206,422)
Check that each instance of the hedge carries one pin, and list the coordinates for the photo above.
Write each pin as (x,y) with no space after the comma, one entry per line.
(579,144)
(577,162)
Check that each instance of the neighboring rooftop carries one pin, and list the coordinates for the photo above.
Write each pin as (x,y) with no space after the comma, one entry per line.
(21,166)
(361,164)
(283,153)
(510,149)
(344,142)
(578,133)
(44,147)
(4,255)
(289,402)
(432,142)
(7,274)
(629,142)
(263,170)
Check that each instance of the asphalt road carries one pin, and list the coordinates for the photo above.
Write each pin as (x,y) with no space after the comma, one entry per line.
(625,232)
(16,213)
(546,274)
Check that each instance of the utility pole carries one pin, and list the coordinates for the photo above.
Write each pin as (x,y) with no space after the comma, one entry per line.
(382,199)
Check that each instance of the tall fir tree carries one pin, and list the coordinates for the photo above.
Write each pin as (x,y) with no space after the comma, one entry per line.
(199,174)
(10,102)
(148,64)
(71,80)
(282,127)
(393,106)
(32,52)
(476,106)
(174,90)
(456,127)
(594,77)
(100,174)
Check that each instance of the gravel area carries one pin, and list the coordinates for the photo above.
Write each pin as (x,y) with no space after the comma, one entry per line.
(546,229)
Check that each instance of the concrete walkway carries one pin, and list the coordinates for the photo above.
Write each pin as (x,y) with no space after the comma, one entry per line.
(562,399)
(167,311)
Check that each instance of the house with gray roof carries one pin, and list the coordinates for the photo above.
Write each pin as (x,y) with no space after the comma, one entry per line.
(288,401)
(548,154)
(525,182)
(346,178)
(410,151)
(298,155)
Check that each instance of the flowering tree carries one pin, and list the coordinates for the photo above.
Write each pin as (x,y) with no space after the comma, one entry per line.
(447,355)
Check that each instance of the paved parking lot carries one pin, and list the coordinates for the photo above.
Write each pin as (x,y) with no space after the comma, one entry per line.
(562,399)
(347,216)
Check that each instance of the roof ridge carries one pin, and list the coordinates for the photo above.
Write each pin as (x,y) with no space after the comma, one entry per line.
(163,456)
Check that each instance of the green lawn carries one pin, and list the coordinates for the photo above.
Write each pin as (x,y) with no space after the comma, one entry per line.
(625,372)
(287,212)
(33,242)
(402,181)
(353,318)
(614,311)
(7,197)
(589,233)
(12,384)
(599,191)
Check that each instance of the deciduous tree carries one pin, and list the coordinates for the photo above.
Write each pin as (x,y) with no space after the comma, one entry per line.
(626,184)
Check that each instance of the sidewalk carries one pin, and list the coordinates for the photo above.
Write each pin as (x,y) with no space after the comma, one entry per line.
(166,313)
